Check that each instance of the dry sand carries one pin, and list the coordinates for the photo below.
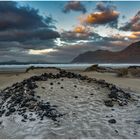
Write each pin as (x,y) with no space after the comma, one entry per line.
(86,115)
(130,83)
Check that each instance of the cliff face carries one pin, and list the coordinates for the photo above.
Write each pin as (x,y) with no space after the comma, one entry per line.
(131,54)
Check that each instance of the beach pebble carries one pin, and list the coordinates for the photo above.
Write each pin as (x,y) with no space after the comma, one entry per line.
(75,86)
(23,120)
(113,94)
(112,121)
(75,97)
(51,83)
(12,109)
(109,103)
(58,83)
(32,119)
(7,114)
(138,122)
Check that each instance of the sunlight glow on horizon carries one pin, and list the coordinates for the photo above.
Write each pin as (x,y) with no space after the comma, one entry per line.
(40,52)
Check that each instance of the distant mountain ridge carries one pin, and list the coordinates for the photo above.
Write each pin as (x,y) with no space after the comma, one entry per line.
(131,54)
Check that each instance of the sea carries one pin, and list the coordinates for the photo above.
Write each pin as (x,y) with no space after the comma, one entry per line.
(22,68)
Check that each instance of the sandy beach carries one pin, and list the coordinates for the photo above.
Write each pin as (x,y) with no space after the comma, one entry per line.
(82,102)
(131,83)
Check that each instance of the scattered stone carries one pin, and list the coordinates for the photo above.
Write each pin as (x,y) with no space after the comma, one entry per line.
(75,97)
(12,110)
(112,121)
(75,86)
(23,120)
(91,94)
(138,122)
(7,114)
(113,94)
(62,87)
(109,103)
(51,84)
(25,116)
(32,119)
(58,83)
(43,87)
(38,97)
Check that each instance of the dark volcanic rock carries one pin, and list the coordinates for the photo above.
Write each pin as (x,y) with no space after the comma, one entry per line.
(51,83)
(58,83)
(113,94)
(32,119)
(22,96)
(12,110)
(112,121)
(138,122)
(75,86)
(75,97)
(109,103)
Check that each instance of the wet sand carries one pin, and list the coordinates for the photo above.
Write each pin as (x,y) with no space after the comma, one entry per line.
(82,102)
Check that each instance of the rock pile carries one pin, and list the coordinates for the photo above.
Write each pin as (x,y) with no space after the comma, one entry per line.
(116,94)
(21,98)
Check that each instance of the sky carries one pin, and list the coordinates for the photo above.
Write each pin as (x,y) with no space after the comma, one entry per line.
(58,31)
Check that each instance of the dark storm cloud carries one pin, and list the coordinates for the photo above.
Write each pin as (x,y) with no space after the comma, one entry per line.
(22,36)
(106,15)
(133,24)
(22,28)
(22,23)
(74,6)
(13,16)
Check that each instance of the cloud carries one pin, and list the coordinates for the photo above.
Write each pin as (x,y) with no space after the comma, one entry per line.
(21,23)
(100,6)
(40,52)
(22,28)
(74,6)
(134,35)
(25,35)
(133,24)
(67,53)
(106,15)
(13,16)
(79,33)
